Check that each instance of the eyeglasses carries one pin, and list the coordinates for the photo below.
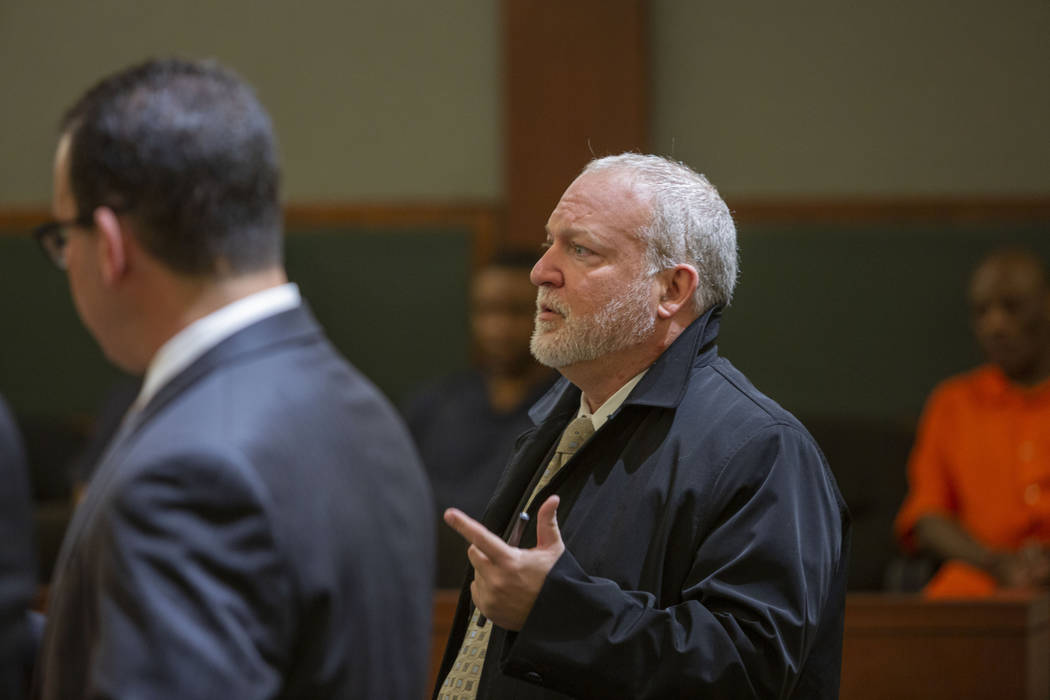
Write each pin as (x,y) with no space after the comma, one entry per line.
(53,237)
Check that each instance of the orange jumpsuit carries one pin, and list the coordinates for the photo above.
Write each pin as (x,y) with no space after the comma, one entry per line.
(982,456)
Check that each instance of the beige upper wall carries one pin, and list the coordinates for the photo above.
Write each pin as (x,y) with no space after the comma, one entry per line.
(826,98)
(385,100)
(373,100)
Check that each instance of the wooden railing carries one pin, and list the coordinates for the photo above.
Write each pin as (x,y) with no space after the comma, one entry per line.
(910,647)
(900,647)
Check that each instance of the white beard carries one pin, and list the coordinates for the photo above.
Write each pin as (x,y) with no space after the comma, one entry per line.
(625,320)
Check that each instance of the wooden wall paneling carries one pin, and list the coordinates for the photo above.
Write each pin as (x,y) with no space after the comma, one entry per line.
(575,87)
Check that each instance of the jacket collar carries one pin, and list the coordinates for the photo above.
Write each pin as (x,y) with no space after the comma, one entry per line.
(665,382)
(295,324)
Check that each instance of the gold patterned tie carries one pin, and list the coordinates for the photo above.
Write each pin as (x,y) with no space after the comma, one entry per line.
(576,433)
(461,683)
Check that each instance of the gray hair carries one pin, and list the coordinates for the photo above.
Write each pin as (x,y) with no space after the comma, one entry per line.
(689,224)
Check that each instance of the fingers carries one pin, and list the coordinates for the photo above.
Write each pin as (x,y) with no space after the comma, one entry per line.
(477,534)
(508,579)
(547,532)
(477,558)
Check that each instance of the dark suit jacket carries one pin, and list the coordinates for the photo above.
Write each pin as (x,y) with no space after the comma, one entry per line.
(706,547)
(262,530)
(17,559)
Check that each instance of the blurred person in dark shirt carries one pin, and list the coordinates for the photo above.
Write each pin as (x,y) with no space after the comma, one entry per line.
(465,424)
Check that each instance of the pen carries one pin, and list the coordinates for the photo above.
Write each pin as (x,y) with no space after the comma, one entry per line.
(514,539)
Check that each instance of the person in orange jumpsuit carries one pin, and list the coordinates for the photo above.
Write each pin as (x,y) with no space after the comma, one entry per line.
(979,474)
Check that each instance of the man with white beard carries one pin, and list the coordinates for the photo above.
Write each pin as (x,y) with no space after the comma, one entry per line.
(665,530)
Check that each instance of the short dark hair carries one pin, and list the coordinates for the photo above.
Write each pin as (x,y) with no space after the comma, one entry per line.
(186,149)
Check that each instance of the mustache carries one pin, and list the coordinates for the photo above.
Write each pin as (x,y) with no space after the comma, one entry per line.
(545,298)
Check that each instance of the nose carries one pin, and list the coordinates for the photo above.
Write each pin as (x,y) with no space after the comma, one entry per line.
(993,321)
(546,270)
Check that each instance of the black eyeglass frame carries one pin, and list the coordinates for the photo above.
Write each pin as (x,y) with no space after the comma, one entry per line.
(53,237)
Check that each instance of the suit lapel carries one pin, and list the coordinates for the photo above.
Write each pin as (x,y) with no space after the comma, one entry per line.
(294,325)
(512,493)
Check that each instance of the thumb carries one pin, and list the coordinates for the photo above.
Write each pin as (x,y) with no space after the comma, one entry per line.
(547,532)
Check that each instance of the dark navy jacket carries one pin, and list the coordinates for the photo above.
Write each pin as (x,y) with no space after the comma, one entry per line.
(263,530)
(706,546)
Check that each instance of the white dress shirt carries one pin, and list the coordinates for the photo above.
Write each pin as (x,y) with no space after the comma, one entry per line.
(612,403)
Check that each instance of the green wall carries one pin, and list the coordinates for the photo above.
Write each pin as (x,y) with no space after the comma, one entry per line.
(392,300)
(848,321)
(858,321)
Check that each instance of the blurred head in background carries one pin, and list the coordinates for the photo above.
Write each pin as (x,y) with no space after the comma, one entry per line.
(1010,307)
(503,304)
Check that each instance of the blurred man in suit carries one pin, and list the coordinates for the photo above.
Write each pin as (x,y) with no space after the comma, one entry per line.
(979,473)
(685,536)
(17,560)
(260,526)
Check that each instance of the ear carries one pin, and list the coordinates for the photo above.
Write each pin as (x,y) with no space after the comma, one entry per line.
(113,245)
(678,286)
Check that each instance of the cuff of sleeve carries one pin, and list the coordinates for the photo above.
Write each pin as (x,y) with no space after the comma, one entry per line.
(532,653)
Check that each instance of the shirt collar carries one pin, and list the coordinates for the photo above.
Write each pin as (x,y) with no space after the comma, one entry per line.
(205,333)
(612,403)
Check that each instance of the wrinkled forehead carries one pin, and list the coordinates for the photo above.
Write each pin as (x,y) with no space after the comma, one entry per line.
(619,187)
(609,199)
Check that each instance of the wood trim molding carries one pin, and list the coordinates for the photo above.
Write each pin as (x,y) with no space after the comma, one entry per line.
(20,220)
(487,218)
(393,214)
(484,219)
(874,210)
(320,214)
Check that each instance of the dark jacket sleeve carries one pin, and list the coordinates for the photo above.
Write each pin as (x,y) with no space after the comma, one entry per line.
(17,559)
(760,577)
(192,585)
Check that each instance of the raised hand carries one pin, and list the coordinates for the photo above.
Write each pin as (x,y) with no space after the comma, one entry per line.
(508,579)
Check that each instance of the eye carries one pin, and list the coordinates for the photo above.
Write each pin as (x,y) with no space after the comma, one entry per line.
(578,249)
